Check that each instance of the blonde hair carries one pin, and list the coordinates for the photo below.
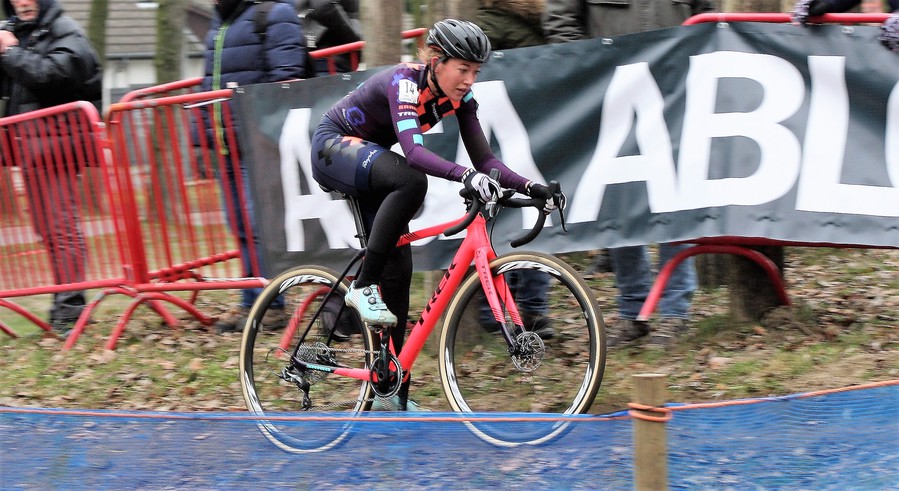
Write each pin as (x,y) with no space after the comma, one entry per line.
(426,53)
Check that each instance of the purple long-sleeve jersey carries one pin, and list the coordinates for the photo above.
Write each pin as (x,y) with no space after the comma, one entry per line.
(396,105)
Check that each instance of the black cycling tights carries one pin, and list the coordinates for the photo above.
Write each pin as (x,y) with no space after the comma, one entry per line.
(396,192)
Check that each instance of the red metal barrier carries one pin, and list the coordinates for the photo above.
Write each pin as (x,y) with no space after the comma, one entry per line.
(173,174)
(153,204)
(52,160)
(355,49)
(775,17)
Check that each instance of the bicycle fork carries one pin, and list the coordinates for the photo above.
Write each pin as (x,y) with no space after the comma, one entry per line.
(498,295)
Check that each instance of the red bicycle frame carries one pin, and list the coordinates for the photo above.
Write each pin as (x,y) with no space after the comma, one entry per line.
(475,247)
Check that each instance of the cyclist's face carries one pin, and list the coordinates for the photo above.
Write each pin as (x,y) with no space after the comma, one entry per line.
(456,77)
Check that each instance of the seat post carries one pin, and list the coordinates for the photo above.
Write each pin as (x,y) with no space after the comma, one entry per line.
(357,214)
(357,218)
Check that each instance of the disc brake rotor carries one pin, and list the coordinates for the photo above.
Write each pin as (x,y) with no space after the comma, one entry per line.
(531,351)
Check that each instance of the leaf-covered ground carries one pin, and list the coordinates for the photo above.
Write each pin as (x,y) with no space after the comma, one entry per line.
(842,329)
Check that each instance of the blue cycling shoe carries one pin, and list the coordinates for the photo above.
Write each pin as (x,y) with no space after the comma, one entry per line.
(371,307)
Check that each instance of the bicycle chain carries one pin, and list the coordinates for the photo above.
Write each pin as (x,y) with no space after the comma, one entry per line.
(318,348)
(322,346)
(526,363)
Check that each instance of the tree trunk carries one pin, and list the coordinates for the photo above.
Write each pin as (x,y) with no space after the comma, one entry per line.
(711,270)
(8,195)
(382,26)
(96,27)
(169,38)
(419,13)
(751,292)
(96,35)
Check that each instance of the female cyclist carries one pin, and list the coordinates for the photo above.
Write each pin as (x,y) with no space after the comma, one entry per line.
(350,154)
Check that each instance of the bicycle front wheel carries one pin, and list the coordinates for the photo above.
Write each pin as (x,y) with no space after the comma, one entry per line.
(281,391)
(559,365)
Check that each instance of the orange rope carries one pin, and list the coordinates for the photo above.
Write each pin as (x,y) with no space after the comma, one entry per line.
(740,402)
(666,414)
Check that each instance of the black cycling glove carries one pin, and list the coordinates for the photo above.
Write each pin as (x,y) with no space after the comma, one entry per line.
(553,202)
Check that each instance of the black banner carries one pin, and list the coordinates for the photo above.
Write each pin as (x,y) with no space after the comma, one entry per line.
(746,130)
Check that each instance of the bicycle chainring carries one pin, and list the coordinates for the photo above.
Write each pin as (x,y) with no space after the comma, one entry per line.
(388,381)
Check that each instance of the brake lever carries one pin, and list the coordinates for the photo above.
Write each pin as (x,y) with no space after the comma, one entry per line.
(556,190)
(491,208)
(562,219)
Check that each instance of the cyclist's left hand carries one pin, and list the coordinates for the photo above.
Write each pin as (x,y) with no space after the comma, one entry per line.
(889,33)
(553,202)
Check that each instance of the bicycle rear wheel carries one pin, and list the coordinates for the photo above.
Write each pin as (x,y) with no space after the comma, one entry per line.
(273,385)
(559,371)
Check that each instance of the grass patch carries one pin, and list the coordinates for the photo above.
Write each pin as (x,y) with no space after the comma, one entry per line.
(840,331)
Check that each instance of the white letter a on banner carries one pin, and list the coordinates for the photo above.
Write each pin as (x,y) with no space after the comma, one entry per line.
(633,95)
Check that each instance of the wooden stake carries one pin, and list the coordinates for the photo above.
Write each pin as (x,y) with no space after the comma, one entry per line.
(650,442)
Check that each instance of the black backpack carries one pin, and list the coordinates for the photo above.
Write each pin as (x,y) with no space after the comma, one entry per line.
(261,20)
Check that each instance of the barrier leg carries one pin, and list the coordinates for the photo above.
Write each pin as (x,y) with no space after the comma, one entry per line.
(9,332)
(188,305)
(297,315)
(84,318)
(658,286)
(24,313)
(153,301)
(120,326)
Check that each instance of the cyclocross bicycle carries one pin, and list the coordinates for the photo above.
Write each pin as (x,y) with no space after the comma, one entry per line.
(491,354)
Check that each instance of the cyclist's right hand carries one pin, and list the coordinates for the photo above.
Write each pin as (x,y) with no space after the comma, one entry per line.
(554,201)
(481,185)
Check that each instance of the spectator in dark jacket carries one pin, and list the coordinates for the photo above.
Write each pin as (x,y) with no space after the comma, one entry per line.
(330,23)
(46,60)
(512,23)
(570,20)
(889,30)
(239,52)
